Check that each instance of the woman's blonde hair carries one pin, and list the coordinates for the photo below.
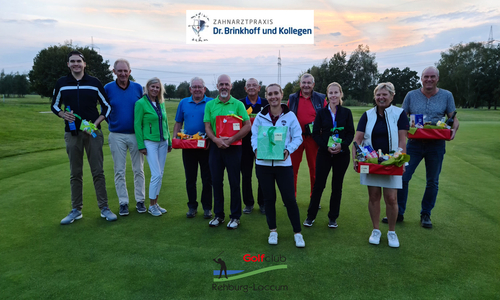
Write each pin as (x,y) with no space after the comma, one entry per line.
(385,85)
(162,89)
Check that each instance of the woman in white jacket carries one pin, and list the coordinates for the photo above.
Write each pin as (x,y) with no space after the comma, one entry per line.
(280,172)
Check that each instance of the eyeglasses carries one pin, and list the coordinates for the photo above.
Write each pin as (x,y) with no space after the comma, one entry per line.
(197,87)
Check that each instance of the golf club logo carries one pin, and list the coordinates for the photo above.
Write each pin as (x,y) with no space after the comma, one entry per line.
(246,258)
(200,22)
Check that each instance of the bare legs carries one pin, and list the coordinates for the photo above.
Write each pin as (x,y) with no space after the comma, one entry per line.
(391,204)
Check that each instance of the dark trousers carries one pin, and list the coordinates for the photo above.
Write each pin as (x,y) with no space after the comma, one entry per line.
(283,177)
(338,163)
(247,162)
(75,146)
(191,159)
(219,160)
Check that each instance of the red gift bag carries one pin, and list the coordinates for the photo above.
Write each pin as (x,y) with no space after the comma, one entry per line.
(368,168)
(431,134)
(228,126)
(189,144)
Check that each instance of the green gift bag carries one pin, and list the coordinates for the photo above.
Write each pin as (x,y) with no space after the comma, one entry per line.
(332,141)
(271,142)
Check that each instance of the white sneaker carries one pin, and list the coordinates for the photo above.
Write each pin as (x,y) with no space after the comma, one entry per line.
(154,211)
(233,224)
(273,238)
(393,239)
(215,222)
(375,237)
(161,209)
(299,240)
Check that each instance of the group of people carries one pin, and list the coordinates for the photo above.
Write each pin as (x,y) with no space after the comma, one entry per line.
(138,124)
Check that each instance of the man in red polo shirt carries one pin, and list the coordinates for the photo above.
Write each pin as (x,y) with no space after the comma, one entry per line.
(305,104)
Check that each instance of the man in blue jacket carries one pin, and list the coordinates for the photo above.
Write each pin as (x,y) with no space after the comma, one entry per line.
(123,94)
(81,93)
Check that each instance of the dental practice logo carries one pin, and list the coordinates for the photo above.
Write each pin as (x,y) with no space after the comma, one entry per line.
(200,23)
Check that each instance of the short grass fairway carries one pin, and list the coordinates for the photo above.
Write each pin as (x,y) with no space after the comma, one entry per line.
(171,257)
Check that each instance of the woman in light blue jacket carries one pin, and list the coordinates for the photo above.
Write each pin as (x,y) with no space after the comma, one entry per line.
(280,172)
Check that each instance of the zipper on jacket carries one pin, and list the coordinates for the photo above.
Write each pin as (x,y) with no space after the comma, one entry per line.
(78,94)
(388,130)
(150,129)
(158,111)
(160,121)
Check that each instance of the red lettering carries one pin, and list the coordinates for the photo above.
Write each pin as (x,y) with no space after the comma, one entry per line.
(250,258)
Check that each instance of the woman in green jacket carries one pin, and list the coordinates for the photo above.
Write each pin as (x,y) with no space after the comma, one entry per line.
(153,137)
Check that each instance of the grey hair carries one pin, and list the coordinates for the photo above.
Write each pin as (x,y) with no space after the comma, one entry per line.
(431,68)
(306,75)
(251,79)
(123,60)
(196,78)
(218,78)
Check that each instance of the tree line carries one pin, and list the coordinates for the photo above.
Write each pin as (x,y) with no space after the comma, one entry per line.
(358,75)
(470,71)
(14,84)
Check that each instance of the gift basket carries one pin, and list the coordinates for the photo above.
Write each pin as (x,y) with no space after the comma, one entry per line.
(372,162)
(185,141)
(428,131)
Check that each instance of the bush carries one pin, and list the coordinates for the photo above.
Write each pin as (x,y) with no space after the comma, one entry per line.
(352,102)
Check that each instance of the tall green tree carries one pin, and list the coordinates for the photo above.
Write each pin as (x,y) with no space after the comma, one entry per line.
(21,84)
(337,71)
(320,75)
(169,91)
(182,90)
(262,92)
(487,76)
(472,73)
(363,73)
(455,68)
(51,63)
(14,84)
(238,90)
(287,90)
(404,81)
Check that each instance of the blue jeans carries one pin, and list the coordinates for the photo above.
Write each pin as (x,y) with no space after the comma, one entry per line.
(433,152)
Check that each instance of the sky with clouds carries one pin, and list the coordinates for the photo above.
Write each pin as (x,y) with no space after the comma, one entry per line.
(152,34)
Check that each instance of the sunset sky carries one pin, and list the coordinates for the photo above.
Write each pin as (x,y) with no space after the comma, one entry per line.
(152,35)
